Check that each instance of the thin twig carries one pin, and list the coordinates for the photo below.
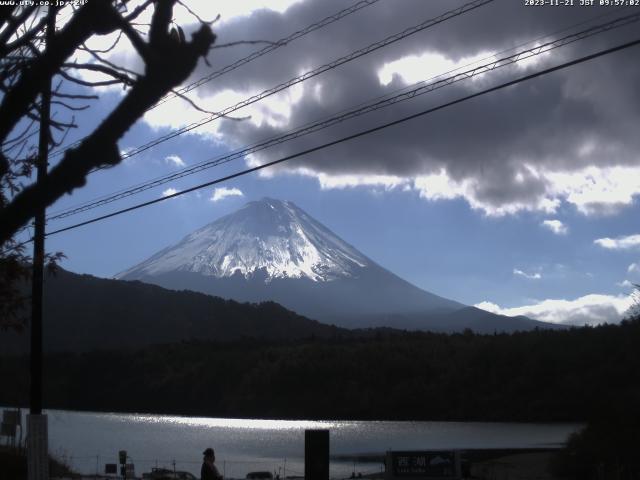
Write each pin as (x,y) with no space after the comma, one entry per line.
(197,16)
(113,45)
(194,105)
(88,84)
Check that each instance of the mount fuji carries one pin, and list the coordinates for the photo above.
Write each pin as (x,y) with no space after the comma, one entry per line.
(273,250)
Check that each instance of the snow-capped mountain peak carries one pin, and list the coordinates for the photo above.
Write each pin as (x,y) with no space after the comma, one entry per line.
(271,236)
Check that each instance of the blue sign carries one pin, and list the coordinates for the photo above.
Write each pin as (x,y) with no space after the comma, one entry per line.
(423,464)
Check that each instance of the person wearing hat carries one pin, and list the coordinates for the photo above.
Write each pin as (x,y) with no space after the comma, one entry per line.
(209,471)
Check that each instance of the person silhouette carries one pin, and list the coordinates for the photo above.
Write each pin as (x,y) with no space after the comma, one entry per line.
(209,471)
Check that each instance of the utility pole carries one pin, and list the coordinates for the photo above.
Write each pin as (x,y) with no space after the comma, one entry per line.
(37,447)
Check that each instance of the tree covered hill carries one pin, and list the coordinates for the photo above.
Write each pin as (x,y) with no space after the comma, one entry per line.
(569,375)
(83,313)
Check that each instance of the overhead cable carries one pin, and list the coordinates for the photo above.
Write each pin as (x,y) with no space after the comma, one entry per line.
(249,58)
(421,89)
(467,7)
(356,135)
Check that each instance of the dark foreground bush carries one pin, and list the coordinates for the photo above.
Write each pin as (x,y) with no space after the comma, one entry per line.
(606,449)
(13,465)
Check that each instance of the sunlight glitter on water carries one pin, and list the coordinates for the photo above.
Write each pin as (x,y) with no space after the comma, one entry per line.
(235,423)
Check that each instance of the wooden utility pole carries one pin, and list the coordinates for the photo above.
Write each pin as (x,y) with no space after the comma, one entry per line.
(37,447)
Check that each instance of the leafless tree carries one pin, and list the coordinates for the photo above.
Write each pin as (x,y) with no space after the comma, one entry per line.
(28,63)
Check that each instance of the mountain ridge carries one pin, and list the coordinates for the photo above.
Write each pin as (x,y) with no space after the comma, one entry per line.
(273,250)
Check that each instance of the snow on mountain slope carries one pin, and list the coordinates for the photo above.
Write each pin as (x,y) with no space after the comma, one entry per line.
(271,250)
(269,235)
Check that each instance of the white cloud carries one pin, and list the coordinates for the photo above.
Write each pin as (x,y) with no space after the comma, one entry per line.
(556,226)
(633,268)
(591,190)
(619,243)
(175,160)
(590,309)
(230,10)
(224,192)
(169,191)
(625,284)
(489,307)
(441,186)
(596,190)
(415,68)
(531,276)
(340,182)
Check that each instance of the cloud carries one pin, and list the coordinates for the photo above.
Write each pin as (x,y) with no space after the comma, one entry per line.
(169,191)
(531,276)
(175,161)
(556,226)
(591,309)
(625,284)
(633,268)
(619,243)
(575,145)
(224,192)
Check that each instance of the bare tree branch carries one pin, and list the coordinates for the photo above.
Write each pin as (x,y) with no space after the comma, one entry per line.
(97,16)
(168,64)
(209,112)
(83,47)
(122,77)
(85,83)
(75,96)
(14,24)
(194,14)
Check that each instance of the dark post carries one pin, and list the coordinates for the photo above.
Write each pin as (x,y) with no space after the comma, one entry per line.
(38,457)
(38,242)
(316,454)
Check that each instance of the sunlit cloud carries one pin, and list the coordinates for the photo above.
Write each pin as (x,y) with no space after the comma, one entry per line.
(530,276)
(619,243)
(556,226)
(415,68)
(591,309)
(224,192)
(169,191)
(175,161)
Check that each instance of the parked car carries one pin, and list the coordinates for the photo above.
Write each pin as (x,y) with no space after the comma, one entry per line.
(166,474)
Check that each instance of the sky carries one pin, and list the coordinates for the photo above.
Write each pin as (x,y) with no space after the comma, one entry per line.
(520,201)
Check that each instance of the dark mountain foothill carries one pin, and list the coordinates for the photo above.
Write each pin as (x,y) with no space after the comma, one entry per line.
(83,313)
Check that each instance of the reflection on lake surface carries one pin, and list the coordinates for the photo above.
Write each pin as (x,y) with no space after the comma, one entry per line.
(88,440)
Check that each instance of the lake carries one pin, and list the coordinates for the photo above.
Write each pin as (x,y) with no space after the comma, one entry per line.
(88,440)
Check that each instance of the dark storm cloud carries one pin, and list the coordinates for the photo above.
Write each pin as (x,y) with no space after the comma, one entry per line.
(587,115)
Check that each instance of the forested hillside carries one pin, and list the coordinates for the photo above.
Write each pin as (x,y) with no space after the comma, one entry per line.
(571,375)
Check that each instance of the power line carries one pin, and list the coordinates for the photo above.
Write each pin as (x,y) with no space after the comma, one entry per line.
(270,48)
(421,89)
(313,73)
(253,56)
(357,135)
(317,71)
(310,74)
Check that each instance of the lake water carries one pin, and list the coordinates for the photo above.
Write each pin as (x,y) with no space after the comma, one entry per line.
(88,440)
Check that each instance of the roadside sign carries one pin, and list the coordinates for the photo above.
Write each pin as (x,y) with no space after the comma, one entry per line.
(422,464)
